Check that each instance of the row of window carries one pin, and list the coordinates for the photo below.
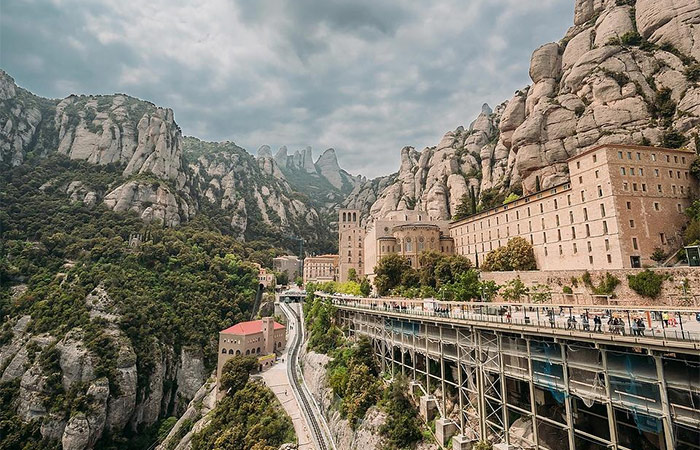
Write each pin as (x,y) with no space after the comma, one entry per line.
(652,157)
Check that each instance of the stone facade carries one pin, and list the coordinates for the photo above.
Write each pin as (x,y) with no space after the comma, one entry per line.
(621,203)
(260,338)
(288,263)
(266,278)
(321,268)
(350,236)
(407,233)
(681,286)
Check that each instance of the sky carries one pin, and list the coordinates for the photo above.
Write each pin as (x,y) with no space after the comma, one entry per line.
(366,77)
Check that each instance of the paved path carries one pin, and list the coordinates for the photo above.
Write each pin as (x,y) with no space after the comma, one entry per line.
(277,380)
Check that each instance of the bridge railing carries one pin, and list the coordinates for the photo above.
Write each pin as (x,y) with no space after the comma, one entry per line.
(642,322)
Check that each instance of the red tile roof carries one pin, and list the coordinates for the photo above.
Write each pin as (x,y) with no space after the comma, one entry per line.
(251,327)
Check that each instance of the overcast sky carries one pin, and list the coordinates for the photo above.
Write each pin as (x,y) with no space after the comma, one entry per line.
(366,77)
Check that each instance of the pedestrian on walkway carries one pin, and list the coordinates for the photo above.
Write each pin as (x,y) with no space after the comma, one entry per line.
(597,324)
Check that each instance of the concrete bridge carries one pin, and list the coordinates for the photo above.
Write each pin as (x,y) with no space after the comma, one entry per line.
(536,376)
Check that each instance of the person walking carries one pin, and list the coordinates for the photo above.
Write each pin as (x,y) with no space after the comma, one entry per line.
(597,324)
(664,318)
(586,324)
(635,328)
(640,327)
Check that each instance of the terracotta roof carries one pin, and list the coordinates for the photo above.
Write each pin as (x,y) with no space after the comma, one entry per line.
(251,327)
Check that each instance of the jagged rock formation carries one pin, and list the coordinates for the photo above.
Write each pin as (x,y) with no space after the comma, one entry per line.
(166,177)
(626,72)
(173,380)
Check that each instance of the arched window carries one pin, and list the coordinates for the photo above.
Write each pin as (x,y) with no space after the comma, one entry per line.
(238,352)
(258,350)
(223,351)
(344,217)
(230,352)
(247,352)
(354,217)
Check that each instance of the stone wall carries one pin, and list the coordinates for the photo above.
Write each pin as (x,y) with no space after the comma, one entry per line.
(671,293)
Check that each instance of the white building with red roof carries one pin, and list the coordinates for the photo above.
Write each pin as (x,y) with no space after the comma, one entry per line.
(263,338)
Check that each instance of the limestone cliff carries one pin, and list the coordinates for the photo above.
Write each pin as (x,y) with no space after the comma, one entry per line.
(173,381)
(165,177)
(626,72)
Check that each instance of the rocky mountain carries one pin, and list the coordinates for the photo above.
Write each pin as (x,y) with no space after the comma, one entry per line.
(171,178)
(626,72)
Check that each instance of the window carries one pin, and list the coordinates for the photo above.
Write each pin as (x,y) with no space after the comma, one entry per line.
(561,250)
(517,215)
(659,188)
(571,217)
(678,174)
(557,219)
(580,180)
(609,259)
(656,206)
(635,245)
(639,156)
(632,171)
(578,164)
(605,227)
(673,188)
(545,251)
(634,187)
(542,222)
(575,248)
(588,230)
(541,208)
(629,155)
(607,244)
(602,210)
(568,200)
(590,259)
(670,173)
(619,155)
(629,205)
(544,237)
(623,171)
(559,235)
(653,156)
(600,191)
(590,247)
(641,172)
(663,238)
(583,196)
(597,174)
(595,158)
(573,232)
(585,214)
(656,173)
(675,159)
(528,211)
(678,207)
(644,187)
(668,158)
(631,223)
(529,225)
(625,186)
(683,159)
(556,205)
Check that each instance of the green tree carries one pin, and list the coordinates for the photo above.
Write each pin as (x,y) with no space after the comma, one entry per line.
(365,287)
(517,254)
(646,283)
(352,274)
(489,289)
(235,373)
(299,281)
(402,428)
(514,290)
(390,272)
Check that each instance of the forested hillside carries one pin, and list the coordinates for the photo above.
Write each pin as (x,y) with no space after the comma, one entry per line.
(102,340)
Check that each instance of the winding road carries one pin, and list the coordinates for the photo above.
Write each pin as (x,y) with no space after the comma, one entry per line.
(317,425)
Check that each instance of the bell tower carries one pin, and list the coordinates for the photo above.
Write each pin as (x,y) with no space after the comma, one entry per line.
(350,243)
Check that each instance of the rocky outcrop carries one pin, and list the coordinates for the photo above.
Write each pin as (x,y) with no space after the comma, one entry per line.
(151,201)
(203,402)
(84,429)
(190,375)
(602,83)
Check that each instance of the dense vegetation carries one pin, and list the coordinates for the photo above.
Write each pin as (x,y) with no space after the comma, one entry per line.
(249,417)
(646,283)
(177,288)
(517,254)
(355,378)
(447,277)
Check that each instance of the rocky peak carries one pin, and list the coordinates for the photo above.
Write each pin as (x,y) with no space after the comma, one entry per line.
(264,152)
(7,86)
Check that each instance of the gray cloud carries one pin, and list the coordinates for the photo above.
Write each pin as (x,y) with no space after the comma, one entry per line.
(366,76)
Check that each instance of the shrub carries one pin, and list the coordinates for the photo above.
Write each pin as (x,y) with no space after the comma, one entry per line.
(692,72)
(631,38)
(646,283)
(567,290)
(673,139)
(516,255)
